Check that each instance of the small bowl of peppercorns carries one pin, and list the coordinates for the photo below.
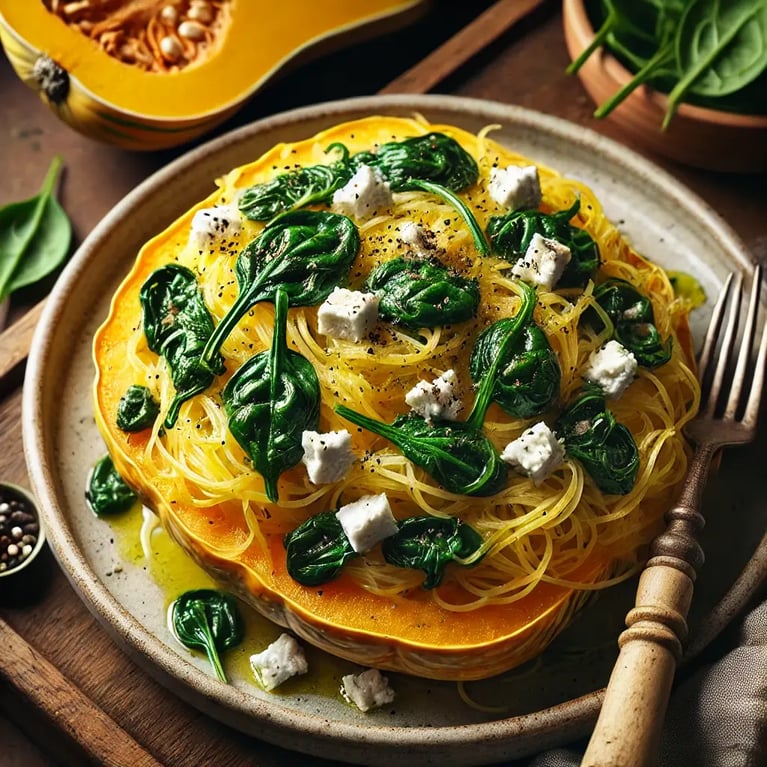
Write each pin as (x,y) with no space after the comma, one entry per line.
(21,537)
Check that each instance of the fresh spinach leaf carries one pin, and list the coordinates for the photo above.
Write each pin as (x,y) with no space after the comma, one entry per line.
(633,322)
(721,47)
(455,454)
(514,365)
(606,448)
(107,492)
(706,52)
(297,188)
(207,620)
(177,326)
(35,235)
(270,401)
(422,293)
(306,253)
(511,234)
(137,409)
(430,544)
(317,549)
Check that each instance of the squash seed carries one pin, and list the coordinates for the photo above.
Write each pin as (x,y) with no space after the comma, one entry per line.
(169,14)
(191,30)
(171,48)
(135,32)
(200,11)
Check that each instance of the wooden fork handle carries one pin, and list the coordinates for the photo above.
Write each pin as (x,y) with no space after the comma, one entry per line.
(628,729)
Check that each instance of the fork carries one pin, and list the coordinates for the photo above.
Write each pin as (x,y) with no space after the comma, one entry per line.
(628,728)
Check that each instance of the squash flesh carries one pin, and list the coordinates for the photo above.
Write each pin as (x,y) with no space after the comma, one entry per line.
(258,39)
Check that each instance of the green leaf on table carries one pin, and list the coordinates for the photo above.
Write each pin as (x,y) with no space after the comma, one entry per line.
(35,235)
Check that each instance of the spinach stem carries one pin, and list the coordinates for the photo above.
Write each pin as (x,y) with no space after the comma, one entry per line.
(642,76)
(598,40)
(487,385)
(460,207)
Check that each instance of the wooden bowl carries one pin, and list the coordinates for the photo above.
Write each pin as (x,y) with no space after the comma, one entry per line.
(703,138)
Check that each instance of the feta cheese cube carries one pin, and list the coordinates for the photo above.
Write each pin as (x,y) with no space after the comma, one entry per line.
(367,690)
(515,187)
(327,456)
(348,314)
(281,660)
(217,222)
(365,194)
(535,453)
(436,400)
(543,263)
(612,368)
(367,521)
(419,238)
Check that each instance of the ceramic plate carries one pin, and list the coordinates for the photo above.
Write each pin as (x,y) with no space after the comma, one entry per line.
(547,702)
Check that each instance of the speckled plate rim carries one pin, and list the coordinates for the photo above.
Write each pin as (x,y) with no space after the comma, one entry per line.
(274,722)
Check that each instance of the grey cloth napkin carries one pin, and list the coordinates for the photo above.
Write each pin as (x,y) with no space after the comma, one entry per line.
(717,716)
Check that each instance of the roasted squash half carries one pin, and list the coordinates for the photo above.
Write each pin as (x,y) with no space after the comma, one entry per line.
(150,74)
(548,544)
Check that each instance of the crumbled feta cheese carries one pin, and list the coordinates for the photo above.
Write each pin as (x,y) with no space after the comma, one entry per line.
(367,521)
(436,400)
(348,314)
(419,238)
(327,456)
(516,187)
(281,660)
(214,223)
(543,262)
(367,690)
(535,453)
(612,368)
(365,194)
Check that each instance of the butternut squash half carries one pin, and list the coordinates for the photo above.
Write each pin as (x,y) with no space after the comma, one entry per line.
(541,542)
(150,74)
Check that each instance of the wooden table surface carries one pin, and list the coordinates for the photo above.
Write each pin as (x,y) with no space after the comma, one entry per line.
(524,66)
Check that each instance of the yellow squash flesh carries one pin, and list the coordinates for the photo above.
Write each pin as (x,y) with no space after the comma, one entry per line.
(122,104)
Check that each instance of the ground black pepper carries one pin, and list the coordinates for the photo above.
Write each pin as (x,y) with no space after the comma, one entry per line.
(19,529)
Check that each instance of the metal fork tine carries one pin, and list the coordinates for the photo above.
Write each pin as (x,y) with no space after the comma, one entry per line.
(728,338)
(746,346)
(709,343)
(751,412)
